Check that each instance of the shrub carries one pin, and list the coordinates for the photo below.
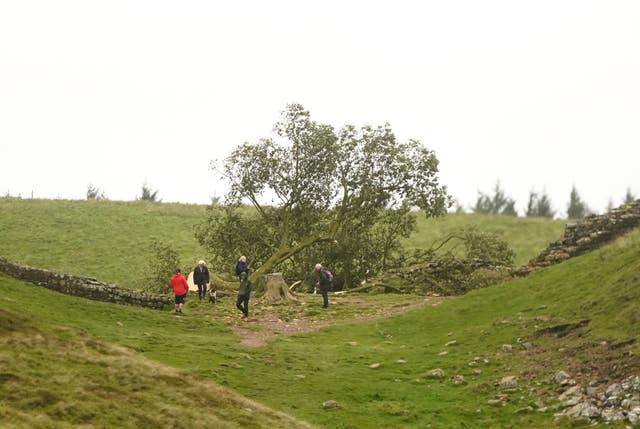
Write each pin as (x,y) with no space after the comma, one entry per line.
(161,267)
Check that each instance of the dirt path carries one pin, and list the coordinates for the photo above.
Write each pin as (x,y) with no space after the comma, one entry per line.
(267,322)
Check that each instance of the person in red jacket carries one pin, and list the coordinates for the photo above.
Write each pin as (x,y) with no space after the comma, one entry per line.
(180,289)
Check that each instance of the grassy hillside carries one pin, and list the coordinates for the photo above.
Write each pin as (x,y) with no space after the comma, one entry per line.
(103,239)
(527,236)
(295,374)
(111,240)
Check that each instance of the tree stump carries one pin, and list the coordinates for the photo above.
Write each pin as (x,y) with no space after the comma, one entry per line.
(275,289)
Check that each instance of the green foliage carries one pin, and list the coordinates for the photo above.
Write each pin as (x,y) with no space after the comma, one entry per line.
(367,246)
(577,208)
(485,260)
(498,203)
(231,231)
(539,205)
(95,193)
(327,185)
(486,246)
(161,267)
(149,194)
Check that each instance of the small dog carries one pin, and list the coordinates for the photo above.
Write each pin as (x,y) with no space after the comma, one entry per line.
(213,296)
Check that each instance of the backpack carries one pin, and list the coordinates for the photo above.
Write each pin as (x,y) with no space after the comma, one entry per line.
(329,275)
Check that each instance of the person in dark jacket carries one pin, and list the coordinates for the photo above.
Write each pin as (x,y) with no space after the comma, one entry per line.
(201,278)
(241,266)
(325,280)
(243,294)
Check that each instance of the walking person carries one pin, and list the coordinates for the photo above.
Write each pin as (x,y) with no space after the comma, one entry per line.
(324,283)
(201,278)
(180,289)
(241,266)
(243,294)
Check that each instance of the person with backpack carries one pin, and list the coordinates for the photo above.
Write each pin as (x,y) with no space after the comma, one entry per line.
(324,283)
(180,289)
(201,278)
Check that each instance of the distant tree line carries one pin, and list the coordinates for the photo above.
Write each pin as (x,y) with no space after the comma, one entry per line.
(538,205)
(147,194)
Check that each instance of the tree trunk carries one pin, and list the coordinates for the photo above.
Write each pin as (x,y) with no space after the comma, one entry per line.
(275,289)
(218,284)
(386,288)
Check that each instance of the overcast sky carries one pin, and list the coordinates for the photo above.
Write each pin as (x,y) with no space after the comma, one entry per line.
(537,94)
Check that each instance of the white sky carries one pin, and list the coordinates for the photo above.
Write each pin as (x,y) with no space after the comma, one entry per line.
(537,94)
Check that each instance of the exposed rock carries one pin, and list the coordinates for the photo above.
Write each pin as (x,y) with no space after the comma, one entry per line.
(374,365)
(560,377)
(613,403)
(573,391)
(507,348)
(611,415)
(458,380)
(613,390)
(452,343)
(435,373)
(330,404)
(583,409)
(508,382)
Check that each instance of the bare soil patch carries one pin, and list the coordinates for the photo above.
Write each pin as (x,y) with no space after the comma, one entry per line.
(269,321)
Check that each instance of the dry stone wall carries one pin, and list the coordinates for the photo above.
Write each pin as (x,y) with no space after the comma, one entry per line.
(589,234)
(85,287)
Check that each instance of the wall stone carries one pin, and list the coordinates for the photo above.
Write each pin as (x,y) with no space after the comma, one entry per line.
(85,287)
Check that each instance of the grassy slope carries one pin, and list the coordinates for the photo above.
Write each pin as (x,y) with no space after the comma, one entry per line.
(527,236)
(53,376)
(110,240)
(103,239)
(295,374)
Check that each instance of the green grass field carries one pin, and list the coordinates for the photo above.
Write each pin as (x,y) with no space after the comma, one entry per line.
(104,239)
(295,374)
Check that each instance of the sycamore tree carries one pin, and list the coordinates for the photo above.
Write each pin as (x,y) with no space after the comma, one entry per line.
(312,185)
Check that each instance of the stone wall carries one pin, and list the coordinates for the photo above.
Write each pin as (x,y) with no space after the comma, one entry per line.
(589,234)
(85,287)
